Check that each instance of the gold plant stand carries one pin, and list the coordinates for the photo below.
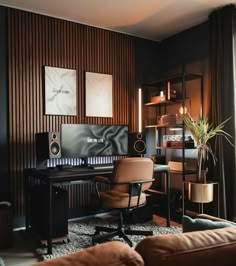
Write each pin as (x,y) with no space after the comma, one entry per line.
(200,193)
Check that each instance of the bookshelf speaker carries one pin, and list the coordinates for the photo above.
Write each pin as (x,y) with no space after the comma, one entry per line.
(136,144)
(48,145)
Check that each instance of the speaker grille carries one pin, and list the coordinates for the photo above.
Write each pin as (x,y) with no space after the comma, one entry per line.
(54,136)
(140,146)
(55,149)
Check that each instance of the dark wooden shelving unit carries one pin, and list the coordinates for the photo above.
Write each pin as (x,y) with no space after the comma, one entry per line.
(165,84)
(161,85)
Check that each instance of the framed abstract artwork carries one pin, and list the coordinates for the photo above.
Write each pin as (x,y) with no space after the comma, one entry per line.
(98,95)
(60,91)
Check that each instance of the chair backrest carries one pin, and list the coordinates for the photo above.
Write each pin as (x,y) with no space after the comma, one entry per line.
(132,169)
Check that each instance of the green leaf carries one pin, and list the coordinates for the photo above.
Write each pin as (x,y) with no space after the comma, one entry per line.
(202,132)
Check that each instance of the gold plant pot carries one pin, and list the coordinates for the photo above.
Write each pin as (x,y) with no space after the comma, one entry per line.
(200,192)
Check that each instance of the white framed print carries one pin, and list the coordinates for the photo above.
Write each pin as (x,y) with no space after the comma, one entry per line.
(60,91)
(98,95)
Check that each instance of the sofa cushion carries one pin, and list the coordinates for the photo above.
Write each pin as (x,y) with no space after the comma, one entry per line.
(199,224)
(113,253)
(208,247)
(2,262)
(213,218)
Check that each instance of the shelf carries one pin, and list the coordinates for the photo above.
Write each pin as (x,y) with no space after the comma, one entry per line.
(164,102)
(177,78)
(170,102)
(174,148)
(180,126)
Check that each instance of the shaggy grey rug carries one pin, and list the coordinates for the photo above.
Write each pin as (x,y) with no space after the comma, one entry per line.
(80,236)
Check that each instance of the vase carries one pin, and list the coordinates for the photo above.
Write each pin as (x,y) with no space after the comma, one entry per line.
(201,192)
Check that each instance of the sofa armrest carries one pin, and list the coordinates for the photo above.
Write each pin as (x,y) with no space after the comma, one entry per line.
(112,253)
(209,247)
(213,218)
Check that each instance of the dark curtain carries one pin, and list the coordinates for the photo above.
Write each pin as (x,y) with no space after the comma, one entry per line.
(222,85)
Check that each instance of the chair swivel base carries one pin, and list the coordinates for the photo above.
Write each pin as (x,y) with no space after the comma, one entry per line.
(120,231)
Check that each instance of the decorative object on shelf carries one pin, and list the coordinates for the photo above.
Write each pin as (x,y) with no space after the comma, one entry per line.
(183,110)
(173,94)
(177,166)
(159,98)
(60,91)
(167,120)
(176,141)
(169,95)
(203,132)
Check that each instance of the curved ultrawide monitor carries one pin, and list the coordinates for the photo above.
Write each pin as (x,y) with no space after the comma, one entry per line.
(84,140)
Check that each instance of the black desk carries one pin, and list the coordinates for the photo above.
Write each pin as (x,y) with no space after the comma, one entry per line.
(53,176)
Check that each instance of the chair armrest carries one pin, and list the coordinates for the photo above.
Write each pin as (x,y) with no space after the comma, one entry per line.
(101,179)
(132,182)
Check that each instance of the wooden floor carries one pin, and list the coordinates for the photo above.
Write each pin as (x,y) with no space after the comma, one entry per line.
(22,253)
(162,221)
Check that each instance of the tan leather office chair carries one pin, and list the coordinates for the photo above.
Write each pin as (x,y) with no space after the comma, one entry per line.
(130,178)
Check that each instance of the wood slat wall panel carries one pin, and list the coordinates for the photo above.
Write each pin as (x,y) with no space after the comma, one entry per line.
(36,41)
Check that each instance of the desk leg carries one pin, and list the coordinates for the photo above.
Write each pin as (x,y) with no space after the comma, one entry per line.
(49,240)
(168,198)
(26,187)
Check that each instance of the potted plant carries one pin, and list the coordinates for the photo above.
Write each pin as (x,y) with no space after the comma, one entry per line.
(202,132)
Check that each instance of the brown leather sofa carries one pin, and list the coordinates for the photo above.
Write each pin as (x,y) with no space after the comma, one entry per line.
(200,248)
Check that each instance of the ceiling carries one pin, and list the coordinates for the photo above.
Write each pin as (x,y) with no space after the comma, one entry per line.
(150,19)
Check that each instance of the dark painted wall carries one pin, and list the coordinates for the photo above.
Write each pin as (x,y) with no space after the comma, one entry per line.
(148,61)
(186,48)
(4,178)
(189,51)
